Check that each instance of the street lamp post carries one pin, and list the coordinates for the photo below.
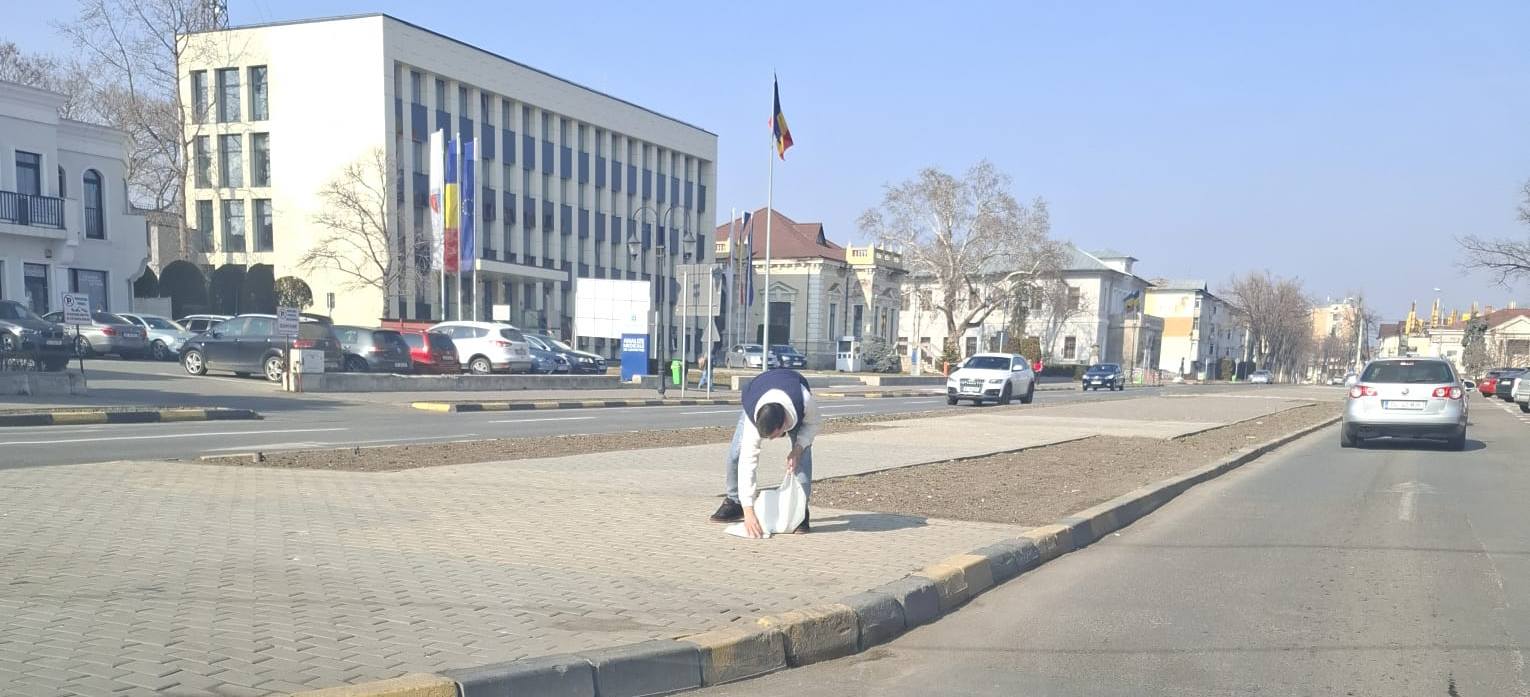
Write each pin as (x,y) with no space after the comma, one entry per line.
(661,262)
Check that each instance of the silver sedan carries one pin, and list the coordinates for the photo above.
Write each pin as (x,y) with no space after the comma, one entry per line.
(1406,398)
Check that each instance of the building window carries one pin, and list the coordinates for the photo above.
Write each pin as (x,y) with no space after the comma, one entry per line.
(260,159)
(265,238)
(417,87)
(95,220)
(1075,298)
(199,96)
(1070,348)
(233,226)
(228,95)
(205,225)
(230,160)
(92,284)
(833,320)
(28,173)
(858,315)
(63,186)
(203,162)
(34,285)
(259,106)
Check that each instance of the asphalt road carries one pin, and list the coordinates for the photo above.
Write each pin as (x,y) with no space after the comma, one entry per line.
(1395,570)
(321,421)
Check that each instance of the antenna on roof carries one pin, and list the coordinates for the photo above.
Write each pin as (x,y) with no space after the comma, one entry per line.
(216,12)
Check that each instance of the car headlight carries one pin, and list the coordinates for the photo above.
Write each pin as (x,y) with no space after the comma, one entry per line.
(586,359)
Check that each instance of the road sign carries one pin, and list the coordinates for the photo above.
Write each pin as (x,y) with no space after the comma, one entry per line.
(77,308)
(699,293)
(287,321)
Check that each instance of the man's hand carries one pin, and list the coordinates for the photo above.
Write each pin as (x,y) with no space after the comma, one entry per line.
(792,458)
(752,524)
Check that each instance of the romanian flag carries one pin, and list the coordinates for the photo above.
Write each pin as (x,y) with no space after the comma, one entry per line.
(783,135)
(452,210)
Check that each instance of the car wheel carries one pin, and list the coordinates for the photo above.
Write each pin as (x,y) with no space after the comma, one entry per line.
(480,366)
(1524,407)
(1030,393)
(193,363)
(273,366)
(355,365)
(1458,442)
(160,351)
(951,401)
(82,347)
(1346,437)
(1006,396)
(1085,388)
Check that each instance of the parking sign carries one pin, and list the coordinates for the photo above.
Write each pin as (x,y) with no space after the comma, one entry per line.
(287,321)
(77,308)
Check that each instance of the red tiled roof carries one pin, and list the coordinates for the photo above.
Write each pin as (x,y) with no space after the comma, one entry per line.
(1498,317)
(789,239)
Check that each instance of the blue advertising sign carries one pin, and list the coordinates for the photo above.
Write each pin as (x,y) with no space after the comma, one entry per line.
(634,356)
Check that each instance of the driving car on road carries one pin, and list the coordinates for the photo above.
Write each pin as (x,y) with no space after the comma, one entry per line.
(1408,398)
(431,352)
(488,347)
(165,336)
(1106,375)
(22,330)
(369,349)
(249,344)
(196,324)
(106,333)
(996,377)
(1261,377)
(788,357)
(579,362)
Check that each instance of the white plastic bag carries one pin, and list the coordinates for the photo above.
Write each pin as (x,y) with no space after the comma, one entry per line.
(779,510)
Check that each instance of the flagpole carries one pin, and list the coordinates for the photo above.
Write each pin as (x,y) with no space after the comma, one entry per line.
(732,274)
(458,284)
(770,192)
(477,233)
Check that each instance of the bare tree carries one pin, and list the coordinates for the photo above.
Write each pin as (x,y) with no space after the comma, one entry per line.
(967,238)
(1278,315)
(68,79)
(357,215)
(1056,305)
(1508,259)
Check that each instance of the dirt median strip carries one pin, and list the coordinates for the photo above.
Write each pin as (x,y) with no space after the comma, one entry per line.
(1040,485)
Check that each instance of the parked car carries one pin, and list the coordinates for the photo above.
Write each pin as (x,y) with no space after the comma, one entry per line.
(1406,397)
(748,356)
(544,360)
(1488,383)
(431,352)
(997,377)
(22,330)
(1106,375)
(249,344)
(369,349)
(579,362)
(1520,392)
(788,357)
(1261,377)
(165,336)
(1504,388)
(106,333)
(196,324)
(487,347)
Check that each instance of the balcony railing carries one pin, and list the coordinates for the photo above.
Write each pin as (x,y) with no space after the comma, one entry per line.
(37,211)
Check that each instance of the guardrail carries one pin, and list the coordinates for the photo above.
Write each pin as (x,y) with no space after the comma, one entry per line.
(36,211)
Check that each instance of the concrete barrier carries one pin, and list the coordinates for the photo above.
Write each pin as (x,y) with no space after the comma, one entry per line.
(814,381)
(37,384)
(902,380)
(387,382)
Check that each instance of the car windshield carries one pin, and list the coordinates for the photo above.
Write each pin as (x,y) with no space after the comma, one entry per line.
(558,344)
(314,330)
(1407,372)
(1104,368)
(987,363)
(108,318)
(512,334)
(440,342)
(17,311)
(387,338)
(161,323)
(415,341)
(784,349)
(751,348)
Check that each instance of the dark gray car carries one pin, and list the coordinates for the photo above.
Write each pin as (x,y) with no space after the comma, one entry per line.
(579,362)
(373,350)
(21,330)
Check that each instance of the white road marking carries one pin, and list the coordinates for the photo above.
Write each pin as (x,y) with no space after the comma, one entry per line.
(169,435)
(712,411)
(551,418)
(1406,505)
(842,406)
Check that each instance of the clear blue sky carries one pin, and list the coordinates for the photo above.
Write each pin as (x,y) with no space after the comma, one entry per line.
(1344,143)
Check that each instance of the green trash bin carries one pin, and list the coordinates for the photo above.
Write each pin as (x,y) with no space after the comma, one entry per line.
(674,372)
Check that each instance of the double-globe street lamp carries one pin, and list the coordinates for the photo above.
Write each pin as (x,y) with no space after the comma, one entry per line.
(659,331)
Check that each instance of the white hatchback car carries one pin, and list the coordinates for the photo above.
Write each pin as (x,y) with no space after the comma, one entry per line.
(996,377)
(487,347)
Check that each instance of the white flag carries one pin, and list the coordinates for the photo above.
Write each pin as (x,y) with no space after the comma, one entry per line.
(437,183)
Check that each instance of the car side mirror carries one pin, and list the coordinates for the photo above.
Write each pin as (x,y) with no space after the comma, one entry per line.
(215,334)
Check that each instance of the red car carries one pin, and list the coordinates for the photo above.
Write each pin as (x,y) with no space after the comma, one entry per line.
(433,352)
(1488,385)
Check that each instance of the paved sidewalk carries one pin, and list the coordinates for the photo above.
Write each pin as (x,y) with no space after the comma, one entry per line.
(179,579)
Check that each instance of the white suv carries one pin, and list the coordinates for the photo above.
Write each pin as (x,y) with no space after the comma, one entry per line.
(486,347)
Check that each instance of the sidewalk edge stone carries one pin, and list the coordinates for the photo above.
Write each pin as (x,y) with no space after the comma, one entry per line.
(411,685)
(562,675)
(732,654)
(74,416)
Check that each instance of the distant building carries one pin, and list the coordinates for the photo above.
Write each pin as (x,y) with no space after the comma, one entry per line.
(1201,332)
(819,291)
(66,225)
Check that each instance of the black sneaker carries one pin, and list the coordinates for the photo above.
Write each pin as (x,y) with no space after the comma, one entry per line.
(729,512)
(804,528)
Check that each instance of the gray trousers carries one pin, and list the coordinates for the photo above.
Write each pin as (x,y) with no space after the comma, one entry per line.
(804,471)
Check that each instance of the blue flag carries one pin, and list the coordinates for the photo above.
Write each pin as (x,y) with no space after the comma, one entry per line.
(469,240)
(748,294)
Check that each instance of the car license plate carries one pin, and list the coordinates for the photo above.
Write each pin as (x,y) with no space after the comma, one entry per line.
(972,390)
(1404,405)
(55,342)
(401,365)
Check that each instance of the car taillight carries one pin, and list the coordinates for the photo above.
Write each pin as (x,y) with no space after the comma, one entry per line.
(1447,393)
(502,343)
(1359,391)
(304,343)
(108,331)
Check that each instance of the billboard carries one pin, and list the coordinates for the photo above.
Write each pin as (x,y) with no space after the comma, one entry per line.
(609,308)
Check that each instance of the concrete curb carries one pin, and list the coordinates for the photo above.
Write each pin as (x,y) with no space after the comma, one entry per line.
(76,417)
(819,633)
(541,404)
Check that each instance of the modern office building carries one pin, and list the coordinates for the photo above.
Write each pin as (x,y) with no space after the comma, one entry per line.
(571,182)
(66,225)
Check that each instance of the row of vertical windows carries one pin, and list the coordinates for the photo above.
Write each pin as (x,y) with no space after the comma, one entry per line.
(229,95)
(235,225)
(231,160)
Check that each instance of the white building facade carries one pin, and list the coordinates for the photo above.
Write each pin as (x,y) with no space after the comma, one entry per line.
(566,175)
(66,225)
(1202,336)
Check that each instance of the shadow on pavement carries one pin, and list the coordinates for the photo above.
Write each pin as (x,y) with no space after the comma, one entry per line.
(1417,444)
(866,522)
